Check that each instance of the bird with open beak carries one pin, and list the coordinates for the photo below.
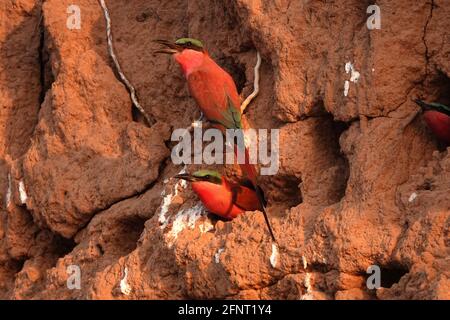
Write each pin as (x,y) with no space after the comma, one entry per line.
(220,196)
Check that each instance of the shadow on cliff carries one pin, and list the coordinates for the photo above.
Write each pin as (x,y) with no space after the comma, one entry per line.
(21,70)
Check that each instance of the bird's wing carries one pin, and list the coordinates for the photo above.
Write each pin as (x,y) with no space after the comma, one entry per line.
(246,197)
(215,99)
(232,202)
(230,115)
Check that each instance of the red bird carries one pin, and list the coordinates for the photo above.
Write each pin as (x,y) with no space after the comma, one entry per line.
(437,117)
(215,93)
(212,87)
(221,196)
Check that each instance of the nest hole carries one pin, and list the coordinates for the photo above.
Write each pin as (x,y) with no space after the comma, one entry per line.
(391,275)
(123,236)
(285,190)
(236,70)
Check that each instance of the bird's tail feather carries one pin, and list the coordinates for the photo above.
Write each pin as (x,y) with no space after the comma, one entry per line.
(251,172)
(263,209)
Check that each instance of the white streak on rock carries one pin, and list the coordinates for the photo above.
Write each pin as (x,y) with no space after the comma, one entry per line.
(8,192)
(348,67)
(183,184)
(274,256)
(206,226)
(22,192)
(412,197)
(346,87)
(185,218)
(354,77)
(217,255)
(125,288)
(305,262)
(307,283)
(167,200)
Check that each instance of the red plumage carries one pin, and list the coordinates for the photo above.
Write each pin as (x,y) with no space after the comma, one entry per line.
(218,198)
(439,123)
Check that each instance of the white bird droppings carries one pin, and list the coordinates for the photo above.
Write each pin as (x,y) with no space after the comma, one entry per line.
(412,197)
(167,199)
(354,76)
(8,192)
(305,263)
(125,288)
(217,255)
(274,256)
(206,226)
(346,87)
(22,193)
(185,218)
(308,295)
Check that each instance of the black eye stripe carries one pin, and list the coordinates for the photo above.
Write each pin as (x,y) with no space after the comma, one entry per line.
(190,45)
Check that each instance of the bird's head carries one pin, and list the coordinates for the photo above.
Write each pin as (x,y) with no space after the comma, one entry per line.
(202,176)
(188,52)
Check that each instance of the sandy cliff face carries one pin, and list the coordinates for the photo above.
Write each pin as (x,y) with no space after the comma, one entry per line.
(86,182)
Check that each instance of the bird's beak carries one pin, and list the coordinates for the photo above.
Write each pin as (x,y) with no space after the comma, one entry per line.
(171,47)
(185,176)
(422,104)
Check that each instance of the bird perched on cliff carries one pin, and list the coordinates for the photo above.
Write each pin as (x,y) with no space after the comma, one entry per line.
(221,196)
(216,94)
(437,117)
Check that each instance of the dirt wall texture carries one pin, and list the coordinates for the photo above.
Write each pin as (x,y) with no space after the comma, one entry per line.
(85,182)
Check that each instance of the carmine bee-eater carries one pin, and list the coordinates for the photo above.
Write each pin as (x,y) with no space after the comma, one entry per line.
(437,117)
(216,95)
(220,196)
